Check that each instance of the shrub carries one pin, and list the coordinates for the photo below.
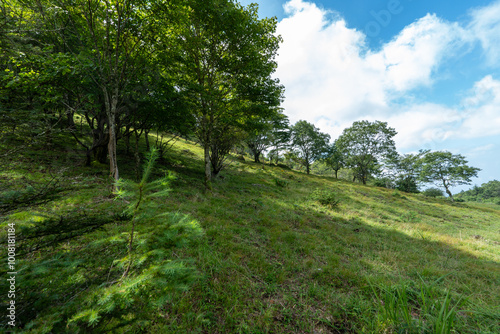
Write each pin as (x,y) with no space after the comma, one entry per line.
(384,182)
(433,192)
(283,166)
(281,183)
(325,197)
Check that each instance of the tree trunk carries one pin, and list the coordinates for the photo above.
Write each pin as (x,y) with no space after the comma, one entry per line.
(448,191)
(146,135)
(208,170)
(88,159)
(111,113)
(256,157)
(336,174)
(127,138)
(136,155)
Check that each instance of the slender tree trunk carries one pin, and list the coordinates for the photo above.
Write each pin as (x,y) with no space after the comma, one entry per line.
(336,174)
(136,155)
(256,157)
(146,135)
(127,138)
(111,113)
(208,171)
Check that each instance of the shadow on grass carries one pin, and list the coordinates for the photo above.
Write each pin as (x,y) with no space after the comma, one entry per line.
(291,269)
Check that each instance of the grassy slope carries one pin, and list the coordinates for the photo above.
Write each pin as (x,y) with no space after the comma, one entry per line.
(272,260)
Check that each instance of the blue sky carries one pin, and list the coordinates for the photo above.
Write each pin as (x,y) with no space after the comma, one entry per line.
(431,69)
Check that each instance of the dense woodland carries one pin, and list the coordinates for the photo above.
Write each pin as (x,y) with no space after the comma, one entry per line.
(121,102)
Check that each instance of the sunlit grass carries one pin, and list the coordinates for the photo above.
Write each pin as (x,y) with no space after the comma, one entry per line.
(274,259)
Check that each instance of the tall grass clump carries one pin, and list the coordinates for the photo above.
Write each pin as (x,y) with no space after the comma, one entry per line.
(426,309)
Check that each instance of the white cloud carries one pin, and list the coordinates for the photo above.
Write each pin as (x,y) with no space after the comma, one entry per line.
(422,124)
(482,110)
(328,71)
(485,25)
(410,58)
(477,117)
(333,79)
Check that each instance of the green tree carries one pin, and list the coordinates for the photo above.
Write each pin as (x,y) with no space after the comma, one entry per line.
(223,58)
(446,170)
(308,143)
(262,133)
(487,192)
(91,54)
(404,170)
(334,159)
(365,144)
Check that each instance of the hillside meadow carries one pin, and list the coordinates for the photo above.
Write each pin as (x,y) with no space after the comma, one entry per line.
(280,251)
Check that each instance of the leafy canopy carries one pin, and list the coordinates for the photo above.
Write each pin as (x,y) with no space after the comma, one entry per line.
(447,170)
(364,144)
(308,142)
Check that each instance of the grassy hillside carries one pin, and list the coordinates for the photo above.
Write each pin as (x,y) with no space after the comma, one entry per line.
(273,258)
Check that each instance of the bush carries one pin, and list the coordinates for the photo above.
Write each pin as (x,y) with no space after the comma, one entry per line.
(325,197)
(383,182)
(283,166)
(281,183)
(433,192)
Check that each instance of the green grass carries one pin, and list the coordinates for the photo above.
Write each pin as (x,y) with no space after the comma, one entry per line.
(273,258)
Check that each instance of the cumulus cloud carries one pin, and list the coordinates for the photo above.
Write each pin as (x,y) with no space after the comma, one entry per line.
(332,78)
(482,110)
(328,70)
(409,60)
(485,25)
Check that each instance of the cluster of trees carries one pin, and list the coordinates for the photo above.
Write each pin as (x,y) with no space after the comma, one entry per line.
(487,192)
(368,151)
(106,71)
(111,70)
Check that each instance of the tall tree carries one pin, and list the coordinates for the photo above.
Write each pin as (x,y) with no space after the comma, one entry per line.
(447,170)
(364,145)
(225,58)
(308,142)
(105,38)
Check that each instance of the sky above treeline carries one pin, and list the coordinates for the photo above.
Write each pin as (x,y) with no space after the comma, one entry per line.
(430,69)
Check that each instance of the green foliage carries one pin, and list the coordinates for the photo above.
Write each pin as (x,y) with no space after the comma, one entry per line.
(364,145)
(325,197)
(334,159)
(433,192)
(384,182)
(308,142)
(222,59)
(446,170)
(281,183)
(410,217)
(147,269)
(487,192)
(34,193)
(404,309)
